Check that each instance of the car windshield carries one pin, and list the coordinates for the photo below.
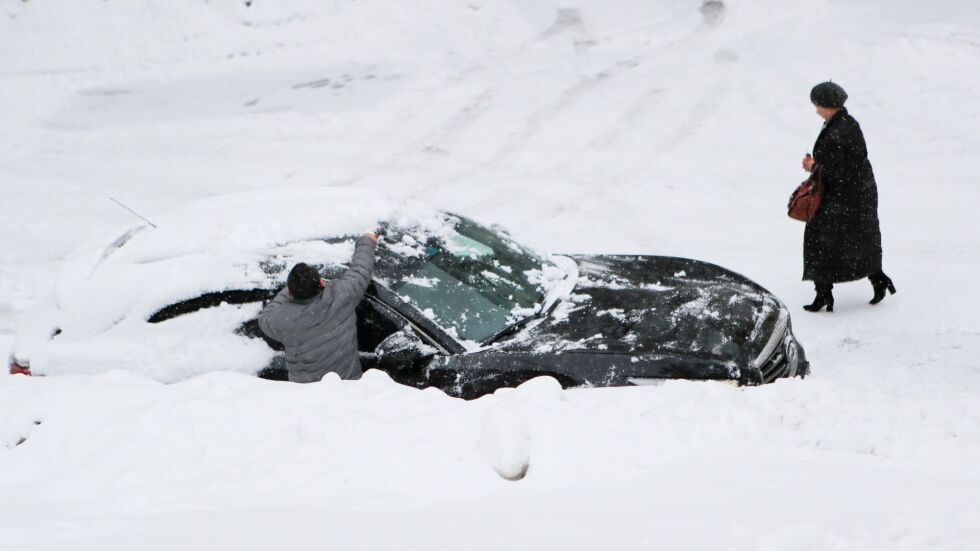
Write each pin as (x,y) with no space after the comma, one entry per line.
(469,279)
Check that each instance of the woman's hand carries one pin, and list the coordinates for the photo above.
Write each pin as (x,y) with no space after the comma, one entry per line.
(808,163)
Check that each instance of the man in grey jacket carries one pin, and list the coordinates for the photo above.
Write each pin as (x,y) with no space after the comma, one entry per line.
(315,319)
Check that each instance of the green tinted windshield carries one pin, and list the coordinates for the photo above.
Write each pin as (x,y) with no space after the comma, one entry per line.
(469,279)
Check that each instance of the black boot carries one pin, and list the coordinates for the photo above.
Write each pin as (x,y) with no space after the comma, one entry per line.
(825,297)
(881,283)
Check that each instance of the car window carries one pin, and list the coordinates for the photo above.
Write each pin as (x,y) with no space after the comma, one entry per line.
(444,298)
(374,324)
(210,300)
(468,278)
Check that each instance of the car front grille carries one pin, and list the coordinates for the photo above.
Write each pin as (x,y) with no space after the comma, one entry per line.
(783,362)
(775,367)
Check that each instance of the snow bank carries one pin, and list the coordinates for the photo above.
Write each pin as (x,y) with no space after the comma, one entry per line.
(685,464)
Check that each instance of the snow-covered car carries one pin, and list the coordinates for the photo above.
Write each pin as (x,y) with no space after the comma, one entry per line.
(453,304)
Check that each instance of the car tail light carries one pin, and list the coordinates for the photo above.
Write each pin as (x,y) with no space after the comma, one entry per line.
(18,369)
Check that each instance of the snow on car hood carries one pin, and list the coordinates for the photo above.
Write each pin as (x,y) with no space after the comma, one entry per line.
(656,305)
(219,244)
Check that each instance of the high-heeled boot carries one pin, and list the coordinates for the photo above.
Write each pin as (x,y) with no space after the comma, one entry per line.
(881,284)
(825,297)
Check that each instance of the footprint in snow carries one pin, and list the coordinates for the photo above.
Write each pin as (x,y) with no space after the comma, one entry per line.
(713,12)
(22,439)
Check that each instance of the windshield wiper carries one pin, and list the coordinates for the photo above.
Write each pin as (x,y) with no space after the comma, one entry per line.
(519,324)
(513,328)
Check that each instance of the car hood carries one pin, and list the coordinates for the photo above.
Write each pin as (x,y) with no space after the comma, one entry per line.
(646,305)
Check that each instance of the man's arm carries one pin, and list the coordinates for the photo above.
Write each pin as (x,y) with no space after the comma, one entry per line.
(356,279)
(270,318)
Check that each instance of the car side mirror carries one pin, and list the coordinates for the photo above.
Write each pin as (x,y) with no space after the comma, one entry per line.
(402,349)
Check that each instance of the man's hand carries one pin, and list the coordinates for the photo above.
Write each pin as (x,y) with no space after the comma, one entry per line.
(808,163)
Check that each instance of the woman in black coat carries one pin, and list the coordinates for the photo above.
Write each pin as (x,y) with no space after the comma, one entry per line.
(842,242)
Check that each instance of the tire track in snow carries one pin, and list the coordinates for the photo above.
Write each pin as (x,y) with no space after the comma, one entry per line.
(568,21)
(569,24)
(700,113)
(539,118)
(633,115)
(462,119)
(432,143)
(629,119)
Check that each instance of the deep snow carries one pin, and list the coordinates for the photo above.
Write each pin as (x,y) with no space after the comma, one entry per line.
(583,126)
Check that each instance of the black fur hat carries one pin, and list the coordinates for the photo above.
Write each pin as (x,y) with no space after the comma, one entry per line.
(828,94)
(303,281)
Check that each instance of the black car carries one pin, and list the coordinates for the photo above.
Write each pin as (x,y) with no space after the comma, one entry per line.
(464,308)
(628,320)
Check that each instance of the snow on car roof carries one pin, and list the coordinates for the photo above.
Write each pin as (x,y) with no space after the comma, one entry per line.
(218,244)
(262,220)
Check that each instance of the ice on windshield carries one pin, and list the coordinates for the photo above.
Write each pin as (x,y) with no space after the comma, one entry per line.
(470,280)
(461,245)
(452,303)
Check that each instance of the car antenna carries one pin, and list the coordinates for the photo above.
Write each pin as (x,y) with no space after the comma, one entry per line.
(133,211)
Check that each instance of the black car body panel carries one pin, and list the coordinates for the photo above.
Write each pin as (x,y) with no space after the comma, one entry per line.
(657,305)
(471,375)
(632,318)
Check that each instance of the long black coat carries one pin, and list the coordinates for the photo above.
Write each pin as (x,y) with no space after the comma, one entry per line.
(843,242)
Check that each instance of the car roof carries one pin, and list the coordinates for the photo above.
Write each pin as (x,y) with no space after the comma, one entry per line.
(224,243)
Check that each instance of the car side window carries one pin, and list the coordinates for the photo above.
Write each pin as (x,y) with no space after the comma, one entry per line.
(375,322)
(210,300)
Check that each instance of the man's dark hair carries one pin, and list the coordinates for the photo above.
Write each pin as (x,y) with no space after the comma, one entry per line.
(303,281)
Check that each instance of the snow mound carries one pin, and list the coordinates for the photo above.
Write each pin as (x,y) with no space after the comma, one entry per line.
(505,440)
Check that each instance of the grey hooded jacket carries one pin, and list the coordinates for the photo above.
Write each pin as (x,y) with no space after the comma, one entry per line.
(320,333)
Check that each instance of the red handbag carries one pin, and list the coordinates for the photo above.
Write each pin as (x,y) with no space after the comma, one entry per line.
(805,201)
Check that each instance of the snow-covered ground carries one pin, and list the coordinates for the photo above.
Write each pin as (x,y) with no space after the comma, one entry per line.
(641,126)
